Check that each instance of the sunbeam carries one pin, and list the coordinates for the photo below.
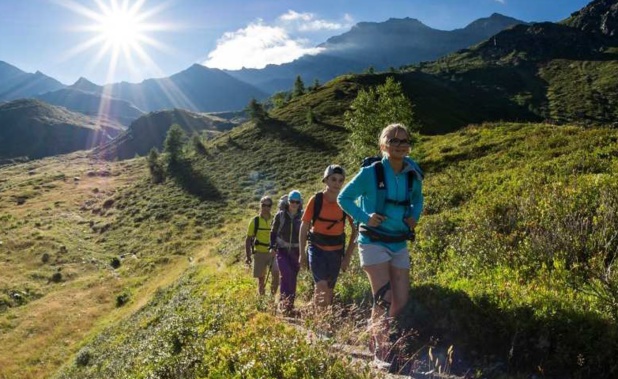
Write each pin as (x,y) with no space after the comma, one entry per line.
(121,31)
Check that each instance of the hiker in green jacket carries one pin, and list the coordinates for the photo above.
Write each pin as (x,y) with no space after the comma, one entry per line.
(257,250)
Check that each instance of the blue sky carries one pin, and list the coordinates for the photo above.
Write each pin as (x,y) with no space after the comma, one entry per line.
(132,40)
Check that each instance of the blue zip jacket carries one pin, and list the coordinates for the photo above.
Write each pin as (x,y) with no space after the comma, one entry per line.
(363,187)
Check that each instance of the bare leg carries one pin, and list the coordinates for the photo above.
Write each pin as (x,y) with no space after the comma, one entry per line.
(323,295)
(400,285)
(379,276)
(261,285)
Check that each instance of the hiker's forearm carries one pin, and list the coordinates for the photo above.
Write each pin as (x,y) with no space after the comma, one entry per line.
(302,238)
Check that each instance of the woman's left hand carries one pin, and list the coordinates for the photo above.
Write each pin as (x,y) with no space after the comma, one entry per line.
(410,222)
(345,263)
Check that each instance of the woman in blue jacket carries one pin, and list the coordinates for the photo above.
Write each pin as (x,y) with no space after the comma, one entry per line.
(386,199)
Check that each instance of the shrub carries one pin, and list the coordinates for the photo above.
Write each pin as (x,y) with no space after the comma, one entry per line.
(83,357)
(56,277)
(122,299)
(115,263)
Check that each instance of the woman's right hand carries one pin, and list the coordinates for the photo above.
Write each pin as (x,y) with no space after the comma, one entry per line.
(375,219)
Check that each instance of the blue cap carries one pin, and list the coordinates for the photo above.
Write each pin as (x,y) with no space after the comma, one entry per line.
(294,195)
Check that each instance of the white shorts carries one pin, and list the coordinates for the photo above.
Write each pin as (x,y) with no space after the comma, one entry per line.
(373,254)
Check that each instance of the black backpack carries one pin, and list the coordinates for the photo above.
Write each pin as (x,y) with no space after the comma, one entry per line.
(378,166)
(317,208)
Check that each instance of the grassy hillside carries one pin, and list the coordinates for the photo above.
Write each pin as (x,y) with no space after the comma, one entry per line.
(34,129)
(150,130)
(85,242)
(522,220)
(108,272)
(511,265)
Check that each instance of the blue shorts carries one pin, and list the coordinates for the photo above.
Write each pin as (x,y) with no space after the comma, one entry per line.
(325,265)
(372,254)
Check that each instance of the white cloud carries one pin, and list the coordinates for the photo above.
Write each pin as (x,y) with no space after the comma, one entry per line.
(256,46)
(500,1)
(293,16)
(308,22)
(259,44)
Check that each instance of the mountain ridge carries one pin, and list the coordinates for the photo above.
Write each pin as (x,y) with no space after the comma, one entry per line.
(93,104)
(16,84)
(34,129)
(381,45)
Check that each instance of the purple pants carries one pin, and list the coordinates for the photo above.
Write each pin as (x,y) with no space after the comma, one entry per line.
(288,269)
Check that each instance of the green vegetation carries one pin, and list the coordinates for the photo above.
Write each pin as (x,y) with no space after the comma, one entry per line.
(514,265)
(517,249)
(197,328)
(299,87)
(256,111)
(372,110)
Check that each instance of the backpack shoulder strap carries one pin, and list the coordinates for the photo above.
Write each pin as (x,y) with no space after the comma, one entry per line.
(380,186)
(256,225)
(380,179)
(317,206)
(281,222)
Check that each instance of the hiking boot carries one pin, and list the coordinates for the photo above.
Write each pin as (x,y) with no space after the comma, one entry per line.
(386,360)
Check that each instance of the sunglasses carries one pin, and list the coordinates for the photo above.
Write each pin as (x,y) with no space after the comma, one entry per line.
(335,179)
(294,202)
(267,205)
(398,142)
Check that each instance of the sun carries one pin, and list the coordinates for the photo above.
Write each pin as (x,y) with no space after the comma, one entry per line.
(121,30)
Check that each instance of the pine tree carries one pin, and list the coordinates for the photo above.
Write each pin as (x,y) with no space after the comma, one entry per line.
(173,144)
(157,174)
(256,111)
(299,87)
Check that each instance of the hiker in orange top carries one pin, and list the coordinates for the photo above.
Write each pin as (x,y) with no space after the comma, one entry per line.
(323,225)
(257,246)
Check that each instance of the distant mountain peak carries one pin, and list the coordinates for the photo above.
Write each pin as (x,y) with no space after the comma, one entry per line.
(7,70)
(86,85)
(599,17)
(82,81)
(392,24)
(496,21)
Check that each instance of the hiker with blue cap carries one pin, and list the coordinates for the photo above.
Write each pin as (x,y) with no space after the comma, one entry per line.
(284,235)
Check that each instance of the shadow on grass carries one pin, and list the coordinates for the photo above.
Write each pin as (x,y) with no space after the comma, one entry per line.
(287,133)
(486,337)
(333,127)
(193,181)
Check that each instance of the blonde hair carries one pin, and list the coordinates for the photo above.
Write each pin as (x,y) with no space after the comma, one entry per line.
(385,132)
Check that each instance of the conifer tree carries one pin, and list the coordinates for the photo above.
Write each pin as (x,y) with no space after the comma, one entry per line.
(157,174)
(299,87)
(256,111)
(174,142)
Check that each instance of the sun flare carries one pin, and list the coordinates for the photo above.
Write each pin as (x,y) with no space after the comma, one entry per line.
(121,30)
